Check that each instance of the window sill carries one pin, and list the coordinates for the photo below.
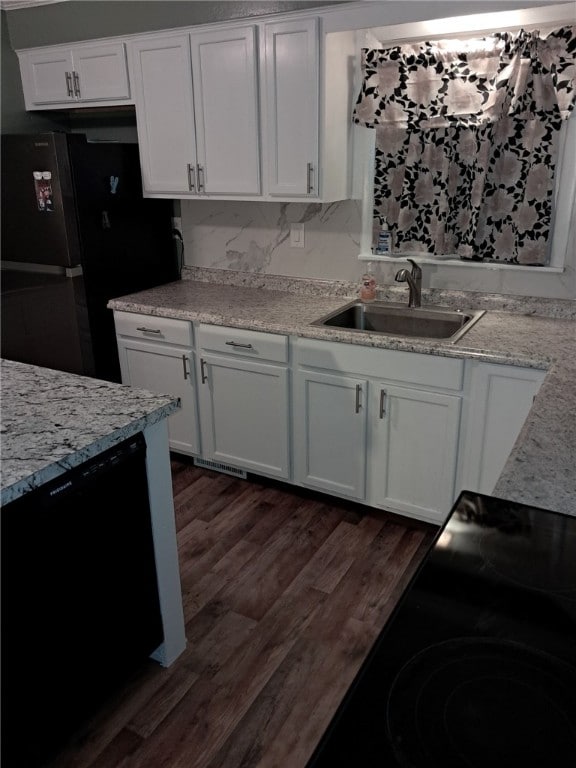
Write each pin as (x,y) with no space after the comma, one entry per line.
(448,262)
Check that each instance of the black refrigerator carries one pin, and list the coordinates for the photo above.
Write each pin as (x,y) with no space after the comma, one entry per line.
(76,232)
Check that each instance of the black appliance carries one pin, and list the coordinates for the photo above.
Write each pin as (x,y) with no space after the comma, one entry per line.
(80,606)
(476,667)
(76,232)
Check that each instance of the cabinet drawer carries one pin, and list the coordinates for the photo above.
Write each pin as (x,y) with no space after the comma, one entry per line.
(237,341)
(390,364)
(149,327)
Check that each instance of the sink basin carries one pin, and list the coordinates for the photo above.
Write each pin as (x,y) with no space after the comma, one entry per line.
(399,320)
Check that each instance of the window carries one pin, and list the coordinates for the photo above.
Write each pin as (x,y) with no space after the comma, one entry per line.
(410,169)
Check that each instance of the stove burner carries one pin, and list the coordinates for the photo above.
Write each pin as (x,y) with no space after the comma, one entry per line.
(478,702)
(538,563)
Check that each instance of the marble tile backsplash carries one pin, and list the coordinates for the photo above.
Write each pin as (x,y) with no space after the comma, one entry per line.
(254,239)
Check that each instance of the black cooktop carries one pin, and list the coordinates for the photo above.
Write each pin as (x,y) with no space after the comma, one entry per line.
(477,666)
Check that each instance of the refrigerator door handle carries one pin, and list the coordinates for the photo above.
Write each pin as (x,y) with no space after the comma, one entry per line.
(43,269)
(69,84)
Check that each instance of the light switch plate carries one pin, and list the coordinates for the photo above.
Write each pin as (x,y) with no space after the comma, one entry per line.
(296,235)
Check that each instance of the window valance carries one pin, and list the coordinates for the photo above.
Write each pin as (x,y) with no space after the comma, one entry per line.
(436,84)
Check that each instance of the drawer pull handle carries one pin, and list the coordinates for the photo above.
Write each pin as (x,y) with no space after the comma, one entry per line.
(236,344)
(200,178)
(203,375)
(382,403)
(358,396)
(186,372)
(148,330)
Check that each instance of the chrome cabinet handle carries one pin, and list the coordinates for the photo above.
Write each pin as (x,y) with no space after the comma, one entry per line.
(309,178)
(148,330)
(236,344)
(69,84)
(382,403)
(203,375)
(186,372)
(200,178)
(191,178)
(76,80)
(358,396)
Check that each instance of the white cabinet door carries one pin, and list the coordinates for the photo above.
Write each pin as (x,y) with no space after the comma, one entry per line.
(197,107)
(330,432)
(47,76)
(226,105)
(413,439)
(244,407)
(165,114)
(500,399)
(291,62)
(100,72)
(165,370)
(84,73)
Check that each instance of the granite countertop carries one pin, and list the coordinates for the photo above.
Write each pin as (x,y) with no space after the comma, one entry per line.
(540,471)
(53,421)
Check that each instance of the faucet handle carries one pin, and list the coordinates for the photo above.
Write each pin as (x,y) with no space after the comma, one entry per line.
(416,270)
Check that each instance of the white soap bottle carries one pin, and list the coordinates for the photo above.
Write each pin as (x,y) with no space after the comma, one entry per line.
(384,245)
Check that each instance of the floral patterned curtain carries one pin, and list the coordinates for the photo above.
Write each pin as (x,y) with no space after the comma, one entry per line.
(466,142)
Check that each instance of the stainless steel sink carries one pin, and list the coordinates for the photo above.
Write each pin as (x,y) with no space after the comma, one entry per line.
(393,319)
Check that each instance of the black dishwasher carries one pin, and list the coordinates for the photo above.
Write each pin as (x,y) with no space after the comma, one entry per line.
(80,606)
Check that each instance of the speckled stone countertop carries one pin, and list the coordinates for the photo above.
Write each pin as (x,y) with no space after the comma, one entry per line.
(540,471)
(53,421)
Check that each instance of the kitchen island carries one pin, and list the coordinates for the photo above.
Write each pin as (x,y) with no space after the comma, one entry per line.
(530,332)
(53,422)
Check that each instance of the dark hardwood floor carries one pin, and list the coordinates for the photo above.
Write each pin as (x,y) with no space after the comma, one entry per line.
(285,592)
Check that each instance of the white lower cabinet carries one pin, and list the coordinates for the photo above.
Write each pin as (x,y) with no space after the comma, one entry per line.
(244,399)
(390,443)
(156,354)
(413,449)
(500,398)
(400,431)
(330,432)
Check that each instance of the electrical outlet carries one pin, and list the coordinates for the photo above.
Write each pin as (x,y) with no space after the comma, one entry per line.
(296,235)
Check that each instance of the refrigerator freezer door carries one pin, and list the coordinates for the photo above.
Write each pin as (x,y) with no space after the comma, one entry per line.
(38,212)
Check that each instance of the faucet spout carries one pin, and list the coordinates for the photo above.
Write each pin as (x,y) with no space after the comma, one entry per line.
(414,280)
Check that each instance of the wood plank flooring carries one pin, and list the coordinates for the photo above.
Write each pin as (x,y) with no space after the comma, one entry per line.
(285,592)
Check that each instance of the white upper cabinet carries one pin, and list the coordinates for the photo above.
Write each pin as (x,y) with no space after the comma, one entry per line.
(63,75)
(197,113)
(162,73)
(292,75)
(257,111)
(307,111)
(226,98)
